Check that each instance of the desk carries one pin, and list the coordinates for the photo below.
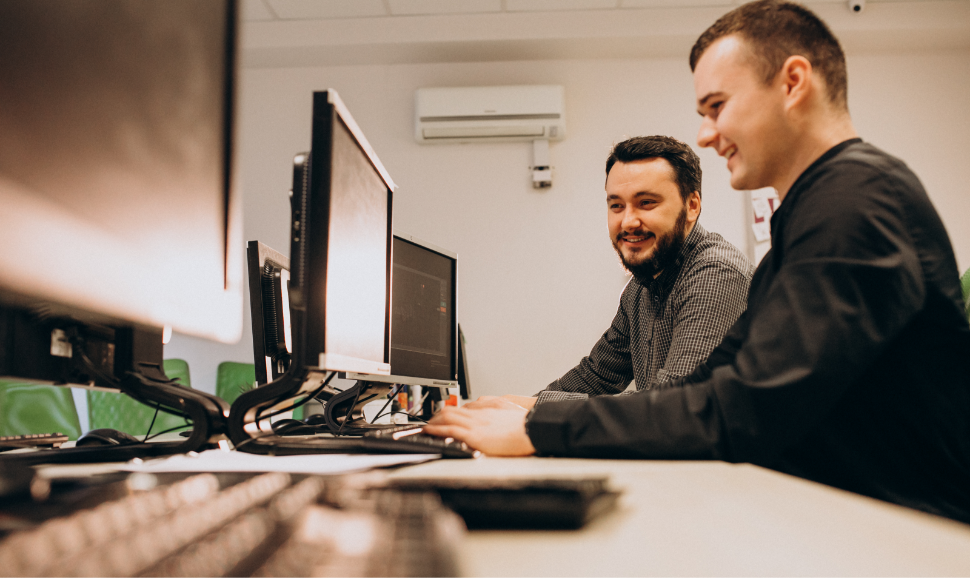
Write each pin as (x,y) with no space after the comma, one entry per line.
(711,519)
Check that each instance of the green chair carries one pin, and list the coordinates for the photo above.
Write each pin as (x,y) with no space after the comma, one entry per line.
(965,285)
(234,378)
(32,409)
(120,412)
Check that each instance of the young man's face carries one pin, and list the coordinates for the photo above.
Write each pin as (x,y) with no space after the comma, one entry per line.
(648,220)
(742,117)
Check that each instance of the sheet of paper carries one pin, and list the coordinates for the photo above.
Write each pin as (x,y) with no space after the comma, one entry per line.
(223,461)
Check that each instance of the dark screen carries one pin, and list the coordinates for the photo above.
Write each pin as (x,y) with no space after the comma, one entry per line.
(422,314)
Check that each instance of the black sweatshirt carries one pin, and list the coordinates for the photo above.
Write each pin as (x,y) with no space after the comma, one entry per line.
(850,367)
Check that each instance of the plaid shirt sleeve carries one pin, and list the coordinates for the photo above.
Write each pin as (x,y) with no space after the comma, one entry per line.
(608,369)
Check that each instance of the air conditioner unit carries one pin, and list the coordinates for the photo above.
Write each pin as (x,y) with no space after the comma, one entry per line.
(489,114)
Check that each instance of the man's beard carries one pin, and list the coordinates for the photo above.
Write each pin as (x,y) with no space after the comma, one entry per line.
(665,251)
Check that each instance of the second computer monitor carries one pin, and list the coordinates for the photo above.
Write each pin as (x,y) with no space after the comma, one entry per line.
(424,330)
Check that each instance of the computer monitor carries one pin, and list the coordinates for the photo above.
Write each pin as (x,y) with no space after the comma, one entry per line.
(118,214)
(116,180)
(269,303)
(423,316)
(340,253)
(340,269)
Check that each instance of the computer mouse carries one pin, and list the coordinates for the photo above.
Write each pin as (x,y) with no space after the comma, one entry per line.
(316,419)
(106,437)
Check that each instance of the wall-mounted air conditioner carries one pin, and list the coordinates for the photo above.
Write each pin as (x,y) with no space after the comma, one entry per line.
(489,114)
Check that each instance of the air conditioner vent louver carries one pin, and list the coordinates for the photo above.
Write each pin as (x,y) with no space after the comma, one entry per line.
(489,113)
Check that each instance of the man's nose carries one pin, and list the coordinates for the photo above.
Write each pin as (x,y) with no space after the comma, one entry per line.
(707,134)
(631,220)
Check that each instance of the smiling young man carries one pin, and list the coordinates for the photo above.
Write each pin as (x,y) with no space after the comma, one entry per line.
(688,285)
(850,365)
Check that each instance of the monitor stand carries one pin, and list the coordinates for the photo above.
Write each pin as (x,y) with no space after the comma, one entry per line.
(112,358)
(150,386)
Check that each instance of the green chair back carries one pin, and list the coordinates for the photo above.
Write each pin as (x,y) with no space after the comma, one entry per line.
(32,409)
(118,411)
(233,378)
(965,285)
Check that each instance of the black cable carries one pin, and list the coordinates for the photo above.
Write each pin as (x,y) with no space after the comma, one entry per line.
(171,429)
(78,344)
(295,405)
(421,419)
(150,426)
(390,398)
(285,409)
(350,410)
(78,348)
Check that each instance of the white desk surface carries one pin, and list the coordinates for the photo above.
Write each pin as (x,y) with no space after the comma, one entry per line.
(711,519)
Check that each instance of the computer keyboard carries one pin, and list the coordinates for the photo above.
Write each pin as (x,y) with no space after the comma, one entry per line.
(266,525)
(394,440)
(42,440)
(413,436)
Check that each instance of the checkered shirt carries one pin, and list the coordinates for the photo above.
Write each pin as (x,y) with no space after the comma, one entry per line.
(663,330)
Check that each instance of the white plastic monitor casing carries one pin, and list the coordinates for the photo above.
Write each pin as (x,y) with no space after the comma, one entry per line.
(489,114)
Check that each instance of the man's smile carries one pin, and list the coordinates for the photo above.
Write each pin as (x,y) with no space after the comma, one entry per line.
(629,239)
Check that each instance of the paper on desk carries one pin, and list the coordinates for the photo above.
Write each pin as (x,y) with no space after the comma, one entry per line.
(223,461)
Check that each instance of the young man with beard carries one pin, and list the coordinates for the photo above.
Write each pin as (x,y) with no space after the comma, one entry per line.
(688,285)
(850,365)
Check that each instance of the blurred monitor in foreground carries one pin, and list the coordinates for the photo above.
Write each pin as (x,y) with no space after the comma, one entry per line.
(115,165)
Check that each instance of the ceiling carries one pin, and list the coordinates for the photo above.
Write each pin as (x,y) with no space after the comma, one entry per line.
(286,33)
(260,10)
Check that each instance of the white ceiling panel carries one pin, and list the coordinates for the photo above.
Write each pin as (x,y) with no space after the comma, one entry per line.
(674,3)
(410,7)
(551,5)
(316,9)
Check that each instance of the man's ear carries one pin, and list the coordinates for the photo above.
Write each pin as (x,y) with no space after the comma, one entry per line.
(796,81)
(693,207)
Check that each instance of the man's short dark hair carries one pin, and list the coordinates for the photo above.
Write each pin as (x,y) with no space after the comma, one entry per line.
(686,165)
(774,30)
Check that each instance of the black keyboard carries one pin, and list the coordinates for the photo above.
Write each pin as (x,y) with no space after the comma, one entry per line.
(42,440)
(392,440)
(232,525)
(413,436)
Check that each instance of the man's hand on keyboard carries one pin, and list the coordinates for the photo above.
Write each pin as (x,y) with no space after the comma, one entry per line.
(495,426)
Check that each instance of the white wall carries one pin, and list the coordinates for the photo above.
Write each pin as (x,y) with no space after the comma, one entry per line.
(538,280)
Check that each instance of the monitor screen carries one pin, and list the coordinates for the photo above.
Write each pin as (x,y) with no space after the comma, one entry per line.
(115,162)
(341,249)
(423,311)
